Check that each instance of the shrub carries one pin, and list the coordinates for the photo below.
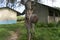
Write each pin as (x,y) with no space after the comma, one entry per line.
(58,23)
(41,24)
(51,24)
(20,18)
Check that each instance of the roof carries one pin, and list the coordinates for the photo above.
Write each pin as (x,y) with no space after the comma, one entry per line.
(39,2)
(49,6)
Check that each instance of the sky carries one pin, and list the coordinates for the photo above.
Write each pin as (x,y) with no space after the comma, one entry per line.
(55,3)
(20,8)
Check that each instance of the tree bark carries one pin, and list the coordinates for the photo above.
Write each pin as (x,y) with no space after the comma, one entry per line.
(27,18)
(28,13)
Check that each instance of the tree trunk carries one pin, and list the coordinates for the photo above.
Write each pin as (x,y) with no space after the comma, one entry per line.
(28,13)
(27,18)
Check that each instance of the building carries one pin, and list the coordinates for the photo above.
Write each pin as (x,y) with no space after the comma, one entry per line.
(47,13)
(9,11)
(9,15)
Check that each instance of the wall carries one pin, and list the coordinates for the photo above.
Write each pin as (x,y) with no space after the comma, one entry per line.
(7,16)
(51,19)
(42,12)
(54,15)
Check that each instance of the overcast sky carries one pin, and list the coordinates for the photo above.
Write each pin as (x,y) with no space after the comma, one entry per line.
(21,8)
(47,2)
(55,3)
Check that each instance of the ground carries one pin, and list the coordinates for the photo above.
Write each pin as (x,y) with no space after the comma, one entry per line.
(41,33)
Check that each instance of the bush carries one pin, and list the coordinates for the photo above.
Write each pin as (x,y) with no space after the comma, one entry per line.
(20,18)
(58,23)
(41,24)
(41,33)
(51,24)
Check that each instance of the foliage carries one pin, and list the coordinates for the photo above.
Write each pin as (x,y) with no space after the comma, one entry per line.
(41,24)
(51,24)
(49,32)
(20,18)
(58,24)
(12,1)
(4,34)
(42,32)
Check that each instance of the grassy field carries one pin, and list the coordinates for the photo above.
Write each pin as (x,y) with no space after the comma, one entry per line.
(41,33)
(5,29)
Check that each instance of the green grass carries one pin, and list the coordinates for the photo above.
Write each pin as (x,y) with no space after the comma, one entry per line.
(41,33)
(4,29)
